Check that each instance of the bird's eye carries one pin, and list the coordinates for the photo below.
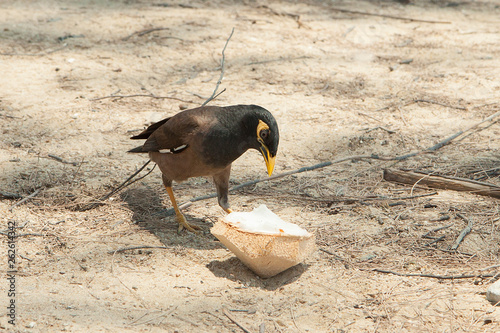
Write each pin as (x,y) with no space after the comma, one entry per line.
(264,134)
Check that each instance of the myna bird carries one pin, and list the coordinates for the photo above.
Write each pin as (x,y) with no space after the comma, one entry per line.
(205,141)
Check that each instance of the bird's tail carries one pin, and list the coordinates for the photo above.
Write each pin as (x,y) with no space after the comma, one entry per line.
(137,150)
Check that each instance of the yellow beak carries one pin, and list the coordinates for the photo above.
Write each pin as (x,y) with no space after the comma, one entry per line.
(270,160)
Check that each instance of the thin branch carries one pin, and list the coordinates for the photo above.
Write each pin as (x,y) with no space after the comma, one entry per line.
(476,125)
(332,254)
(32,195)
(126,183)
(464,232)
(446,251)
(490,267)
(142,95)
(220,93)
(276,60)
(137,248)
(230,316)
(435,241)
(432,276)
(147,31)
(382,128)
(43,53)
(293,319)
(388,16)
(222,63)
(421,100)
(60,159)
(426,235)
(369,198)
(438,103)
(479,130)
(9,195)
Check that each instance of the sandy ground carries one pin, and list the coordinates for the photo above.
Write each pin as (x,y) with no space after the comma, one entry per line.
(335,81)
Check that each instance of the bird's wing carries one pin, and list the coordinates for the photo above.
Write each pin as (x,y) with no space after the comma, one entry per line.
(151,128)
(172,134)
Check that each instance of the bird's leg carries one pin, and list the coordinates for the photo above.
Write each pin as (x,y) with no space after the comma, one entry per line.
(221,181)
(180,218)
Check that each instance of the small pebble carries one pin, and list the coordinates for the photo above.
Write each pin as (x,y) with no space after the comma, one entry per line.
(493,292)
(367,257)
(31,325)
(393,68)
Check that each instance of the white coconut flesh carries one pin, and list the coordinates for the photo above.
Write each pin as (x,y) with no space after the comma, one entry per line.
(262,221)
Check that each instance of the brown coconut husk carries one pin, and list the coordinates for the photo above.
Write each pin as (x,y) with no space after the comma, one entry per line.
(266,255)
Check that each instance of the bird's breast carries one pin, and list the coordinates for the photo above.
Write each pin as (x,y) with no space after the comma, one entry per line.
(184,165)
(221,148)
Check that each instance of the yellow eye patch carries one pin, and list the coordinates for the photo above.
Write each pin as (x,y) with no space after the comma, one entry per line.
(261,126)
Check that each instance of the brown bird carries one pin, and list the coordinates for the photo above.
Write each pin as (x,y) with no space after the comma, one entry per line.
(204,142)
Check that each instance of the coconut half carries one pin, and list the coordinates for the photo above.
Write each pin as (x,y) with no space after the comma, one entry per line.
(263,241)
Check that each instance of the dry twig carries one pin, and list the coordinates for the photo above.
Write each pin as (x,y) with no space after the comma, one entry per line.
(435,240)
(126,183)
(60,159)
(437,103)
(123,284)
(490,267)
(332,254)
(276,60)
(147,31)
(432,276)
(464,232)
(387,16)
(426,235)
(137,248)
(43,53)
(142,95)
(222,65)
(420,100)
(20,202)
(293,318)
(230,316)
(9,195)
(382,128)
(296,17)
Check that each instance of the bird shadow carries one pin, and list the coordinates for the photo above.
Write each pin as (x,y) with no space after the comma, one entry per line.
(233,269)
(148,211)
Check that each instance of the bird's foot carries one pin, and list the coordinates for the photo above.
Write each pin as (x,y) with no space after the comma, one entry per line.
(184,224)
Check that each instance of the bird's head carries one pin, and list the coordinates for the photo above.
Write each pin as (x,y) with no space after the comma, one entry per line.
(268,140)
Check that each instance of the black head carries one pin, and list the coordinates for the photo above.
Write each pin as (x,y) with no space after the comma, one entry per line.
(266,135)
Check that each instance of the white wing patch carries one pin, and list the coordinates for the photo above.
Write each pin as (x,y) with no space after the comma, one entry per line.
(172,150)
(177,149)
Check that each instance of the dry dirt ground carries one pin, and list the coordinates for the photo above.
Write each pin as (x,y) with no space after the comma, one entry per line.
(336,82)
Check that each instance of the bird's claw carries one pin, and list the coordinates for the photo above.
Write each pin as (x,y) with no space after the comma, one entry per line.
(184,224)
